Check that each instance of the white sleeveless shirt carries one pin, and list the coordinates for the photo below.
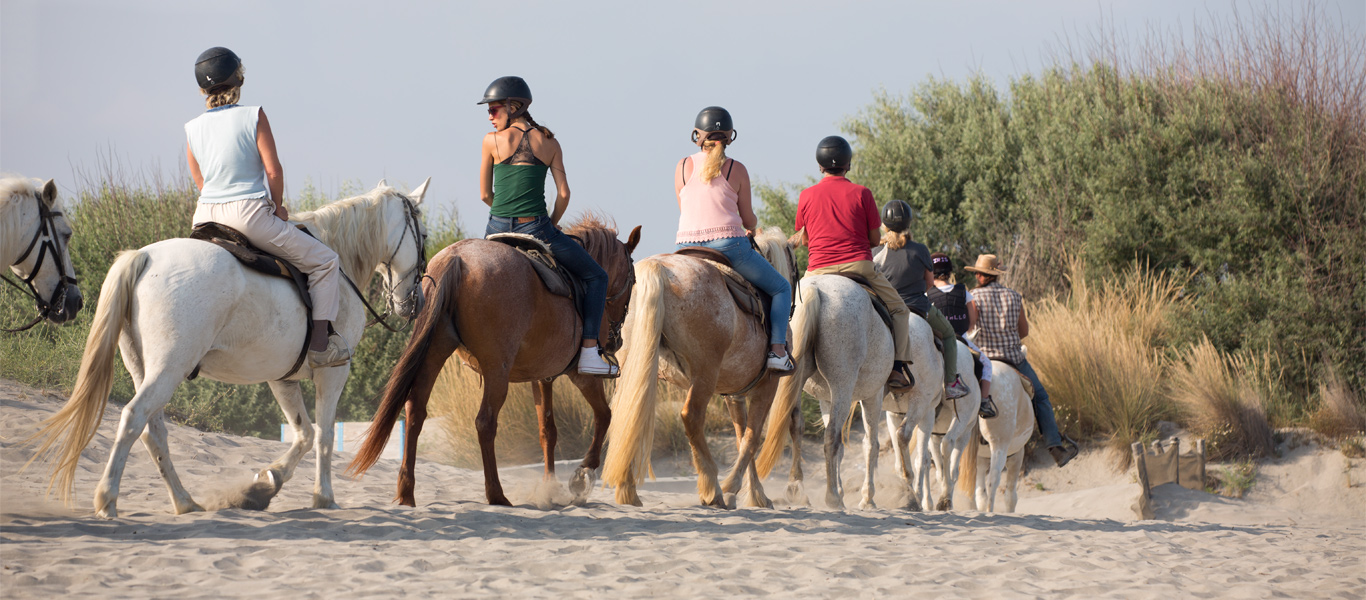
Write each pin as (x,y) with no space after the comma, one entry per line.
(223,141)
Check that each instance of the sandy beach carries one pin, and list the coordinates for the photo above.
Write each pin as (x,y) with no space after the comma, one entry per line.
(1300,533)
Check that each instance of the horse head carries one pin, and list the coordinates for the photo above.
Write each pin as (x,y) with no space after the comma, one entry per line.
(614,256)
(406,246)
(43,257)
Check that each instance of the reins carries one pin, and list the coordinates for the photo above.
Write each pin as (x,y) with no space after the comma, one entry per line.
(47,227)
(410,221)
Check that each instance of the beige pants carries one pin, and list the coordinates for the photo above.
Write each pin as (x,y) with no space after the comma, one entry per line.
(257,221)
(901,328)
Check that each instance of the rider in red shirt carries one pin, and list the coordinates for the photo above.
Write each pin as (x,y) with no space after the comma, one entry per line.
(838,220)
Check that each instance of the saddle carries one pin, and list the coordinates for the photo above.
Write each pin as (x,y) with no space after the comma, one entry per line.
(878,304)
(750,299)
(261,261)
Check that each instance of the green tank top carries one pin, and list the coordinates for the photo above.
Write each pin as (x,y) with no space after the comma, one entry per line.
(519,190)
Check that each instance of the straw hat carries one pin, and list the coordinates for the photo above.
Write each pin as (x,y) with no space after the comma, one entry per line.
(987,264)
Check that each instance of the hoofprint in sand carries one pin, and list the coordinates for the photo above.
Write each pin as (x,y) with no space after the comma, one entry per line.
(453,545)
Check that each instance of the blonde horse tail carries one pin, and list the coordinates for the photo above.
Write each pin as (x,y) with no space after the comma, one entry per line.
(967,469)
(632,430)
(401,380)
(789,390)
(67,433)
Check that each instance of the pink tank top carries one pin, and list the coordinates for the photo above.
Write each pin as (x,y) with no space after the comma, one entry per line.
(708,209)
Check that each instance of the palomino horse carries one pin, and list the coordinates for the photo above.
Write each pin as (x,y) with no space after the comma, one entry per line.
(34,241)
(183,307)
(686,328)
(843,352)
(488,304)
(1006,434)
(913,416)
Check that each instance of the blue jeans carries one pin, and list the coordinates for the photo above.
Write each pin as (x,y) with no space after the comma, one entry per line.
(574,258)
(1043,409)
(755,269)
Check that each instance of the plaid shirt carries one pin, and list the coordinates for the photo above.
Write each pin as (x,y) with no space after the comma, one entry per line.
(998,318)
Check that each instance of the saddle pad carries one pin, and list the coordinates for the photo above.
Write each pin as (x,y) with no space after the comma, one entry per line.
(878,304)
(557,280)
(750,299)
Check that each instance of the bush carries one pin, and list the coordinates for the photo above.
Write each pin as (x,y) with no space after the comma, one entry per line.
(1223,403)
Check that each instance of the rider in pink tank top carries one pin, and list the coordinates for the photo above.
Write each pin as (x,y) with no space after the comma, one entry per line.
(708,209)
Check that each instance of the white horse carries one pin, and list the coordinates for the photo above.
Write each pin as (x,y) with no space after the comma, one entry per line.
(1006,434)
(843,353)
(35,241)
(183,306)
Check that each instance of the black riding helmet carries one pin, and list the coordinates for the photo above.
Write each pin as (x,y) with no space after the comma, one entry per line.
(216,68)
(713,123)
(507,89)
(897,215)
(834,153)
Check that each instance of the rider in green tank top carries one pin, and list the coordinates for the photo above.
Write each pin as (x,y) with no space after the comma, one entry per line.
(519,189)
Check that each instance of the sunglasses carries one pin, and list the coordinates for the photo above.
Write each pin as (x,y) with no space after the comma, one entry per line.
(494,109)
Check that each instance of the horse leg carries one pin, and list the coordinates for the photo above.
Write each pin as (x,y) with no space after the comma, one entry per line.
(443,343)
(872,410)
(486,424)
(581,485)
(998,463)
(150,399)
(940,469)
(694,419)
(543,392)
(329,384)
(290,396)
(901,439)
(795,493)
(840,407)
(1012,489)
(155,439)
(760,401)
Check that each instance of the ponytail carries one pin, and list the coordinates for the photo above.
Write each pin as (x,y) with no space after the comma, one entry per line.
(544,130)
(716,156)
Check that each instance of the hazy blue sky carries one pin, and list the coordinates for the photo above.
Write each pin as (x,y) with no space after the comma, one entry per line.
(364,90)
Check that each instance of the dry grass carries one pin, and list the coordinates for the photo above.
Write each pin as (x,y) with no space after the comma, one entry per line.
(455,402)
(1340,413)
(1223,401)
(1095,354)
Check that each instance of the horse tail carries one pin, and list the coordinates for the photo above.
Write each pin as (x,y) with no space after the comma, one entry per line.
(790,389)
(632,430)
(440,307)
(67,433)
(967,467)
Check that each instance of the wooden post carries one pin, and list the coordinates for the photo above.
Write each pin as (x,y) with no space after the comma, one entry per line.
(1141,464)
(1176,459)
(1200,456)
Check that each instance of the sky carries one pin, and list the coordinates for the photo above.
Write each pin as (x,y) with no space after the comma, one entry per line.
(359,91)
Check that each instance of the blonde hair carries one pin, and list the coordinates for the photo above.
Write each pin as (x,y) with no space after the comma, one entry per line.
(895,240)
(227,96)
(716,156)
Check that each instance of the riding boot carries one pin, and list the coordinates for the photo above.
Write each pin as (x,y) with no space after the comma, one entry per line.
(901,378)
(988,408)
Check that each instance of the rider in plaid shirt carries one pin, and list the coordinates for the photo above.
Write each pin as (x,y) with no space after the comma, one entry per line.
(1001,324)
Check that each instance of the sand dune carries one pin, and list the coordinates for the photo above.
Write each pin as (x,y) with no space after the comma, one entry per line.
(1078,541)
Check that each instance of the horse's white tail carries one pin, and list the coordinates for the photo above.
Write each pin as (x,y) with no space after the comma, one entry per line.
(75,424)
(632,431)
(967,467)
(790,389)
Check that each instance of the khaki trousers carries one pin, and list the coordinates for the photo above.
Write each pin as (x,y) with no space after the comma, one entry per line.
(901,328)
(256,220)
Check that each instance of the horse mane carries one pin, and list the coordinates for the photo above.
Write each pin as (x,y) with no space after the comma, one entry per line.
(598,234)
(772,244)
(355,228)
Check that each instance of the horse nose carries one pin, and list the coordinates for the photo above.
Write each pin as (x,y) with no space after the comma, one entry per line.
(74,300)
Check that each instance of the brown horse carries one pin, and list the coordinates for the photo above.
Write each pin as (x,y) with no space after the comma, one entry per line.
(685,328)
(487,303)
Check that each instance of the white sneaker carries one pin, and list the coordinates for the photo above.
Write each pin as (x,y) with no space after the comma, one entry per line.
(780,363)
(957,389)
(591,363)
(335,355)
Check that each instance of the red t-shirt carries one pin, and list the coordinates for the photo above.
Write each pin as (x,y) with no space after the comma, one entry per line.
(837,215)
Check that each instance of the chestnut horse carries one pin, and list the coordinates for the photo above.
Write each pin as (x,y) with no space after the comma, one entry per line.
(687,329)
(487,303)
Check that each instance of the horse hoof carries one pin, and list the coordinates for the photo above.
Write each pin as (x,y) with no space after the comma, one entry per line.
(324,503)
(945,504)
(796,496)
(499,501)
(867,505)
(405,501)
(189,508)
(581,485)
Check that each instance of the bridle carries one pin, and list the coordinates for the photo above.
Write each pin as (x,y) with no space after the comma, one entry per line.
(614,339)
(411,221)
(52,244)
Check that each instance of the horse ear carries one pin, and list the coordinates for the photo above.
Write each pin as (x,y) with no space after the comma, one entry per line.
(632,240)
(417,194)
(49,193)
(382,183)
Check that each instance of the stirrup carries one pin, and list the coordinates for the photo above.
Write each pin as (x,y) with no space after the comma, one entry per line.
(988,408)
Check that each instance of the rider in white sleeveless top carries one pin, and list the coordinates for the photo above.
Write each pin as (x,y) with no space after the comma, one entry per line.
(231,154)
